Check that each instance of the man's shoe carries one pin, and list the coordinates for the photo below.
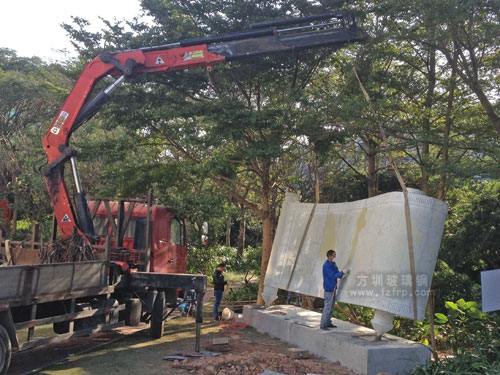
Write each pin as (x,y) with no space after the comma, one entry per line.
(330,325)
(323,328)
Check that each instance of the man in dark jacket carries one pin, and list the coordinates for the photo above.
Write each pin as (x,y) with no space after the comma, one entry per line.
(330,275)
(219,284)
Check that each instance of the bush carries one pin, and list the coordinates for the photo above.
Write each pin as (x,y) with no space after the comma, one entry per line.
(473,337)
(450,286)
(414,330)
(247,292)
(482,358)
(248,265)
(463,324)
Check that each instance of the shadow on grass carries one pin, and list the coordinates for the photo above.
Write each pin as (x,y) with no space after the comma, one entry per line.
(138,353)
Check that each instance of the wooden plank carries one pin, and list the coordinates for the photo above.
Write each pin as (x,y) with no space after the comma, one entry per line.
(111,219)
(107,248)
(126,221)
(7,252)
(94,210)
(35,236)
(65,317)
(69,335)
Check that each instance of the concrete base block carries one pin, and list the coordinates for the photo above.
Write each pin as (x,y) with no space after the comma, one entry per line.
(355,347)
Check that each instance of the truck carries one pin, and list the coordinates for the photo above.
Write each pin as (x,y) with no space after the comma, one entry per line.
(130,281)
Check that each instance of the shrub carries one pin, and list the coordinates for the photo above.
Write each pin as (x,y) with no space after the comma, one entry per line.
(247,292)
(450,286)
(473,337)
(482,358)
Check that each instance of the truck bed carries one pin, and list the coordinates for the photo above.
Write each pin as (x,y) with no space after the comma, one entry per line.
(25,285)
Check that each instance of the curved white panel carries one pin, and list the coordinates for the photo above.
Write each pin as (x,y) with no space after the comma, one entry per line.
(370,238)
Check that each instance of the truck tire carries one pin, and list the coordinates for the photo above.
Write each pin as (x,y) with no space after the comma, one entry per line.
(157,322)
(60,327)
(133,312)
(5,350)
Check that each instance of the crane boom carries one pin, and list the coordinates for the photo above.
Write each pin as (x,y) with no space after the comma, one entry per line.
(331,29)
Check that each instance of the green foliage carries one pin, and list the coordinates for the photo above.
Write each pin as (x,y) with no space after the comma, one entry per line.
(248,264)
(30,93)
(362,313)
(414,330)
(464,324)
(450,285)
(458,329)
(247,292)
(474,339)
(204,259)
(472,237)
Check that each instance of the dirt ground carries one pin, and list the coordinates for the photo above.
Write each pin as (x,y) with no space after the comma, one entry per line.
(132,351)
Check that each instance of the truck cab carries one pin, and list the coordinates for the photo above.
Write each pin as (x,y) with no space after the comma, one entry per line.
(168,241)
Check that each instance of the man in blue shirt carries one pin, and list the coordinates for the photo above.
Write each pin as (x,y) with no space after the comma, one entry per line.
(330,275)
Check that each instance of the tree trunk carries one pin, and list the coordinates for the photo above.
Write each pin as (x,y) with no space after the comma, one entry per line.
(475,86)
(267,240)
(316,181)
(14,209)
(429,100)
(241,235)
(267,243)
(446,136)
(488,107)
(307,301)
(228,231)
(470,79)
(371,176)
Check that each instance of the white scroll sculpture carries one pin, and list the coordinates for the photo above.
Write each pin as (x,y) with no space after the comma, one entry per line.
(370,238)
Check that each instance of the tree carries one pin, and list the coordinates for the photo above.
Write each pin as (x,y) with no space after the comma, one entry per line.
(466,34)
(30,94)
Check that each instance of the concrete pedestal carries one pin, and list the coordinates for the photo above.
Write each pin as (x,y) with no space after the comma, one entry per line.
(351,345)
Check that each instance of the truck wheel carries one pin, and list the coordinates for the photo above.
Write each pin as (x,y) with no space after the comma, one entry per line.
(157,322)
(133,312)
(61,327)
(5,350)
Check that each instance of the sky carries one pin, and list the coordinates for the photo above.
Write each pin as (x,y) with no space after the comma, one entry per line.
(32,27)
